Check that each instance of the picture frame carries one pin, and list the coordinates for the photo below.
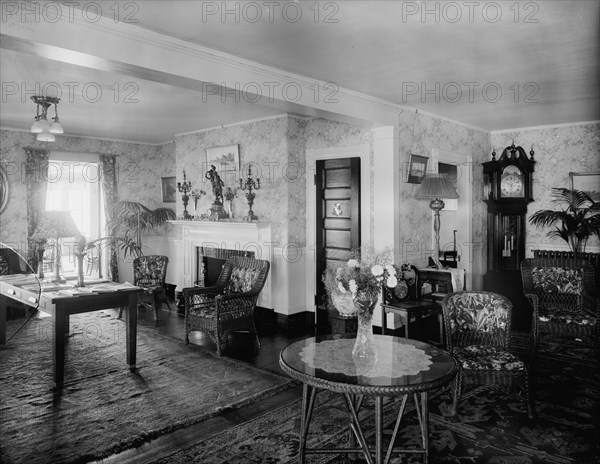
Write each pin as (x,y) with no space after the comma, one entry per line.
(417,169)
(169,189)
(225,158)
(588,182)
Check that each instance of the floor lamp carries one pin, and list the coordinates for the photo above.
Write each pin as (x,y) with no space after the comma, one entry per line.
(435,187)
(56,225)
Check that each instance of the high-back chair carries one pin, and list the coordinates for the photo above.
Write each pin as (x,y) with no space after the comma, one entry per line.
(478,335)
(564,298)
(229,304)
(149,273)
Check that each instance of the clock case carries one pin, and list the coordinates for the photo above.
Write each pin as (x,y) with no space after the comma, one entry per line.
(506,222)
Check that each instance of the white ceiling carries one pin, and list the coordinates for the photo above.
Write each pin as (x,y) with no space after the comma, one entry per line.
(545,63)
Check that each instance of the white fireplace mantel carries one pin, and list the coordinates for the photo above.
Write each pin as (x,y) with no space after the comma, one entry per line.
(243,236)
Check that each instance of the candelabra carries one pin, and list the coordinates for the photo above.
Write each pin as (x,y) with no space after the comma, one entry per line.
(250,184)
(184,188)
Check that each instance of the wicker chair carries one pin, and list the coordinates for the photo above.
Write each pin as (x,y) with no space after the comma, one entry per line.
(564,298)
(149,273)
(227,306)
(478,336)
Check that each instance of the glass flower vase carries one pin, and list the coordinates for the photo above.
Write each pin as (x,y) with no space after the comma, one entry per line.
(364,346)
(80,280)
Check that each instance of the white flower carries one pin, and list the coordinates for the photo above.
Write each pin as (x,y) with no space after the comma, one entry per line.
(353,287)
(341,287)
(391,270)
(377,270)
(338,272)
(391,281)
(353,263)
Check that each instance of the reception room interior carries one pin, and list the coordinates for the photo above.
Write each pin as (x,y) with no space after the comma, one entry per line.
(294,133)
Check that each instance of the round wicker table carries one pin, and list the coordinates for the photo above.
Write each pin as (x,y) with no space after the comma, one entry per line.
(401,368)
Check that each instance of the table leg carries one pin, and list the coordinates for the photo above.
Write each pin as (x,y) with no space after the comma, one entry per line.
(406,321)
(131,331)
(379,429)
(308,402)
(383,320)
(61,321)
(3,303)
(422,408)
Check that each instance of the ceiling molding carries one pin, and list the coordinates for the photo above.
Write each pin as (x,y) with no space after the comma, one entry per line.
(549,126)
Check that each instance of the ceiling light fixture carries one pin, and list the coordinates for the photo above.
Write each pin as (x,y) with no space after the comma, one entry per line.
(41,126)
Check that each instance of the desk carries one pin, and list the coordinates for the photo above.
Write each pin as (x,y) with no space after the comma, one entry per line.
(413,310)
(60,307)
(402,368)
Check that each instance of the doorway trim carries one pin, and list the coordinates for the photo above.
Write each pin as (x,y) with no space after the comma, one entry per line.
(464,211)
(312,155)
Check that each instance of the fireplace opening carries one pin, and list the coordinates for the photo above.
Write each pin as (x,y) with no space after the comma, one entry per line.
(210,260)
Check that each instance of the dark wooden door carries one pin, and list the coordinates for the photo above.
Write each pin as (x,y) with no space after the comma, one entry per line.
(338,219)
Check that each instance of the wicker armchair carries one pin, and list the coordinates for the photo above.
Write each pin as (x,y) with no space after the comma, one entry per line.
(228,306)
(564,298)
(149,273)
(478,336)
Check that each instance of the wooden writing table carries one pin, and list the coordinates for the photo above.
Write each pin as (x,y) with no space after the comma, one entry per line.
(22,288)
(413,310)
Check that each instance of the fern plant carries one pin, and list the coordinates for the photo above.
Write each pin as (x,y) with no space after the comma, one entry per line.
(130,220)
(575,223)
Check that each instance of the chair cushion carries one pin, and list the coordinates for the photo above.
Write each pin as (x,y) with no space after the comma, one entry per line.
(480,357)
(562,314)
(557,279)
(206,311)
(242,279)
(477,311)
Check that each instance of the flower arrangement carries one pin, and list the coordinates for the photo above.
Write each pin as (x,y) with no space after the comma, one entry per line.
(361,277)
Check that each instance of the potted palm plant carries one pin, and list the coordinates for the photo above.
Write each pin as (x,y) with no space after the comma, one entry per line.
(575,223)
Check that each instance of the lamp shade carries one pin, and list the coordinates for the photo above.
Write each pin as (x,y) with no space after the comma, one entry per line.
(435,186)
(56,224)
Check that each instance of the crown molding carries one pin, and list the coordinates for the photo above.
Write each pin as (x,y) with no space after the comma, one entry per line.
(549,126)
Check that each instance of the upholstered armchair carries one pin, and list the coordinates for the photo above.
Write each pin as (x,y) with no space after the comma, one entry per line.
(564,298)
(478,335)
(149,273)
(228,305)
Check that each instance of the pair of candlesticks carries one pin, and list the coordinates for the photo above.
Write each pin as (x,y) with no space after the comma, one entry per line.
(249,184)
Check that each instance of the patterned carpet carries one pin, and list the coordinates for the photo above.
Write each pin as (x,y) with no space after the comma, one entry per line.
(104,408)
(491,428)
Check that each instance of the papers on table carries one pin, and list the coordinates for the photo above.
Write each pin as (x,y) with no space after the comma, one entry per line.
(110,287)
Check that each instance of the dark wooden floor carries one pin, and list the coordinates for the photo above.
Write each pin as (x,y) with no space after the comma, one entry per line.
(240,346)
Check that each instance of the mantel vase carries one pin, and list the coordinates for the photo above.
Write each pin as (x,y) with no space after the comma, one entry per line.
(364,346)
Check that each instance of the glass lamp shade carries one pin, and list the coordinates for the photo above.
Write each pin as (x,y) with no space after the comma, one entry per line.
(40,125)
(45,137)
(56,128)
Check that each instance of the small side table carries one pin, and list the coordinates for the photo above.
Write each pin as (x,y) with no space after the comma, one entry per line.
(413,310)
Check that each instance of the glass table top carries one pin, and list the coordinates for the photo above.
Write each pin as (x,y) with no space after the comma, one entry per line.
(402,363)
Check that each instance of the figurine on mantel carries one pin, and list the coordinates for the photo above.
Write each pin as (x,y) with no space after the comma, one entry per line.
(216,210)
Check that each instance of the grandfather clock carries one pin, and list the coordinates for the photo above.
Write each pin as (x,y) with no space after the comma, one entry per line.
(508,189)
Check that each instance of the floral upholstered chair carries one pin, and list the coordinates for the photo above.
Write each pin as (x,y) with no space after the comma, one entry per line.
(149,273)
(228,306)
(564,298)
(478,335)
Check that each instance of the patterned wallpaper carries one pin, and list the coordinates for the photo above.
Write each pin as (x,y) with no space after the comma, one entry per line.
(558,151)
(422,134)
(276,150)
(140,168)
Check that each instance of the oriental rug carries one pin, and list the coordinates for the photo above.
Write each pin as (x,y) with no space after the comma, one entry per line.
(490,428)
(104,408)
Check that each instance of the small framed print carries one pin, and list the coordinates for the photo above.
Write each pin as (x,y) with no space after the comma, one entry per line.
(417,169)
(169,189)
(588,182)
(225,158)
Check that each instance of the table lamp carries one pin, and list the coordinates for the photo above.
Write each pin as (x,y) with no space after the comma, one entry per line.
(56,225)
(435,187)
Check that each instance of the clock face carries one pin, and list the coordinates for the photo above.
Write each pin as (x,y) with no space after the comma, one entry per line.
(511,182)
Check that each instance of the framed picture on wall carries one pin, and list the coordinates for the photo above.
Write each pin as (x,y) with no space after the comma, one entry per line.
(169,189)
(225,158)
(417,169)
(588,182)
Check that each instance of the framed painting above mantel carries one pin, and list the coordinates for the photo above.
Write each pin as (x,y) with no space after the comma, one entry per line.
(226,158)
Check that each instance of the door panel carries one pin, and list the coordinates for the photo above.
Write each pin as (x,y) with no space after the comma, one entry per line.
(338,219)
